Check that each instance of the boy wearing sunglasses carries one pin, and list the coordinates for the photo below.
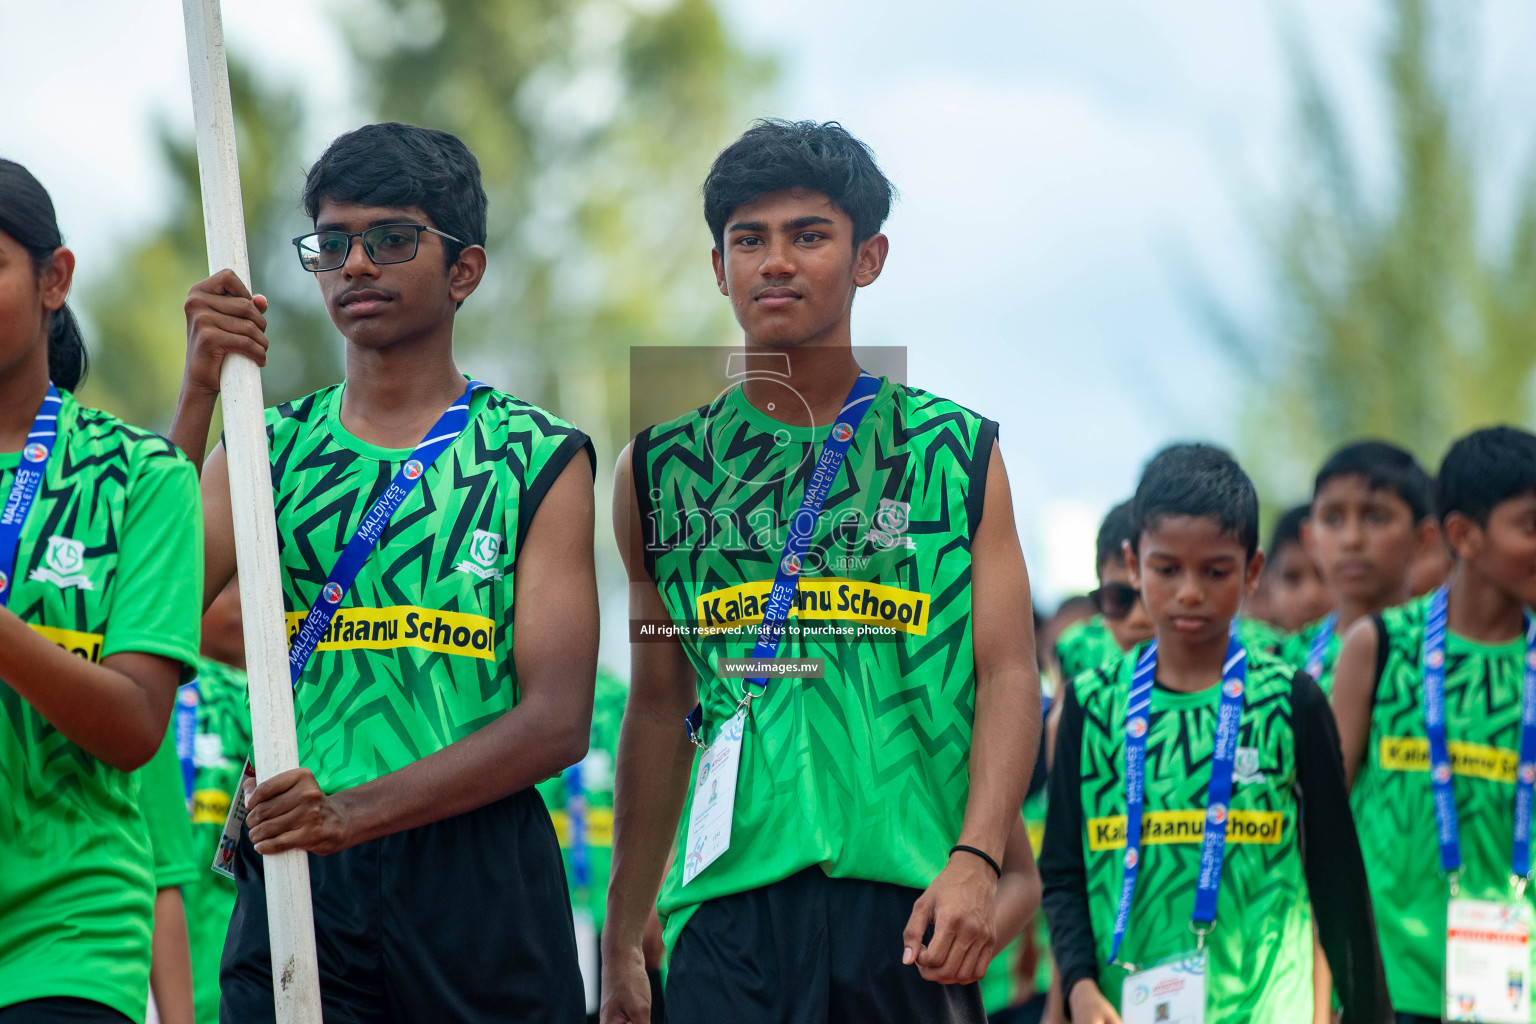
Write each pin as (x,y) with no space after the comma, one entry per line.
(1121,622)
(421,728)
(1371,517)
(1188,776)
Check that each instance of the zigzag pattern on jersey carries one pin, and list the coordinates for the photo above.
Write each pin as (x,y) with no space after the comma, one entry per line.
(82,497)
(365,712)
(926,451)
(1259,881)
(1482,706)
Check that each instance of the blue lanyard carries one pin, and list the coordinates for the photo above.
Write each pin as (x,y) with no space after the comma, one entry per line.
(801,527)
(1138,708)
(1440,781)
(24,487)
(443,433)
(185,719)
(576,826)
(1319,652)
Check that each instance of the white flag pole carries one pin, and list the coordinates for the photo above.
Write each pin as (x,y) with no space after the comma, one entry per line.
(290,917)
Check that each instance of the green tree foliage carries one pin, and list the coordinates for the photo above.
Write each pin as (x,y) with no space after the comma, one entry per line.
(137,331)
(1408,311)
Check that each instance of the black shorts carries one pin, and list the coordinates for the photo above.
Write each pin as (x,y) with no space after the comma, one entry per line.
(808,950)
(61,1010)
(463,921)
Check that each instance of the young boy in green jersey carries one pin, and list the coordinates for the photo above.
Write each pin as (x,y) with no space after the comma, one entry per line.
(100,551)
(452,669)
(1121,622)
(1461,653)
(213,740)
(1197,729)
(870,804)
(1372,513)
(1293,590)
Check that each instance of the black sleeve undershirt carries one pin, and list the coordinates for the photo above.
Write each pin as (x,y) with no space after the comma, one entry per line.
(1335,869)
(1063,872)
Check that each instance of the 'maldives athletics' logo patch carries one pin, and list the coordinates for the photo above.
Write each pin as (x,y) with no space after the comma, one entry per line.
(63,565)
(484,547)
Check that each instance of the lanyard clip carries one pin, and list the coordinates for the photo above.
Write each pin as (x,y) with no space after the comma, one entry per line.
(1201,930)
(1453,879)
(694,723)
(1518,883)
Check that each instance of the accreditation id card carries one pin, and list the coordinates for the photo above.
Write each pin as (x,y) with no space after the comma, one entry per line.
(1488,961)
(1172,992)
(714,798)
(224,856)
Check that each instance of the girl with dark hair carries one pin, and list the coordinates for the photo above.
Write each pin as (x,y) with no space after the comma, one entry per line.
(100,571)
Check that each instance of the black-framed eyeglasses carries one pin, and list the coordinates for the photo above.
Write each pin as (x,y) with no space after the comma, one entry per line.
(384,243)
(1115,600)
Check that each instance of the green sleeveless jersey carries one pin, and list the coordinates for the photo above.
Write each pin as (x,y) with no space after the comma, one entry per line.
(865,770)
(1394,805)
(1261,950)
(1084,646)
(110,560)
(419,654)
(220,746)
(1298,648)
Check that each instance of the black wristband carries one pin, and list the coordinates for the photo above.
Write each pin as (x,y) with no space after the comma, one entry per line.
(980,853)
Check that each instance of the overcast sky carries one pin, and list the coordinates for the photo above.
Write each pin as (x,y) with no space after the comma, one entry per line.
(1064,168)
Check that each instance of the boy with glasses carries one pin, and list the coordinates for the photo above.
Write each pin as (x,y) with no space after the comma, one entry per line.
(422,729)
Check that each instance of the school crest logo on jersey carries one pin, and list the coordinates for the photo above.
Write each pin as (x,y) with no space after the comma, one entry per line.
(484,548)
(1245,765)
(889,529)
(63,565)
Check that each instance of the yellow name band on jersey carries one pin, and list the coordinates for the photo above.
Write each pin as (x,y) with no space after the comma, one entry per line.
(1411,754)
(383,629)
(210,807)
(85,645)
(1262,827)
(824,597)
(599,827)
